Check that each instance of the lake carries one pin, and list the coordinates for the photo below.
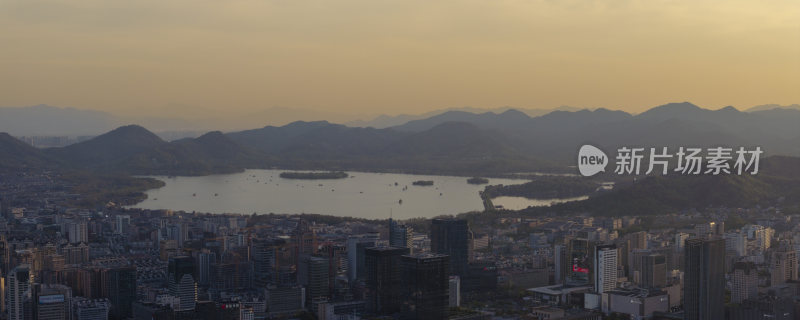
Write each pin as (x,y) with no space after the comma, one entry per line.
(362,195)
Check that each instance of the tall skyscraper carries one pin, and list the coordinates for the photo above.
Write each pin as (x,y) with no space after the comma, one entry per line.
(50,302)
(312,272)
(118,284)
(605,260)
(5,207)
(123,224)
(709,228)
(304,239)
(638,240)
(181,282)
(783,266)
(745,282)
(400,235)
(635,264)
(580,254)
(451,237)
(426,278)
(232,272)
(205,260)
(384,282)
(78,232)
(264,254)
(75,253)
(560,262)
(355,256)
(178,232)
(680,240)
(654,271)
(19,281)
(704,279)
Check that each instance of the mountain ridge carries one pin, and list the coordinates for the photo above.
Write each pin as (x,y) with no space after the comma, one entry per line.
(484,142)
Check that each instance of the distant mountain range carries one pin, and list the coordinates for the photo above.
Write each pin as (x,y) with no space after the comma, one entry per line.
(135,150)
(773,106)
(386,121)
(45,120)
(557,135)
(453,142)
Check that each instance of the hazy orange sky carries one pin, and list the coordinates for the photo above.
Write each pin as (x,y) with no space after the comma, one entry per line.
(406,56)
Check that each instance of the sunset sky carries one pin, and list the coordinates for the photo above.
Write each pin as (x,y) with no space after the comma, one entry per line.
(406,56)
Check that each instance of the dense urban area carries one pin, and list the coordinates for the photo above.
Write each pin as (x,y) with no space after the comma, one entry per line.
(60,261)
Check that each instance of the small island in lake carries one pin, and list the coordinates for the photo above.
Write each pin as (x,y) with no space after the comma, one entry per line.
(424,183)
(314,175)
(477,180)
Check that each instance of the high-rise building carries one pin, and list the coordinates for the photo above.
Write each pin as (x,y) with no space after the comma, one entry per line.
(181,283)
(611,223)
(205,260)
(284,301)
(337,264)
(178,232)
(580,253)
(19,281)
(451,237)
(123,224)
(384,282)
(680,240)
(75,253)
(623,246)
(560,262)
(233,272)
(745,282)
(355,256)
(635,264)
(605,261)
(761,235)
(264,254)
(312,272)
(304,240)
(704,279)
(50,302)
(709,228)
(400,235)
(783,266)
(78,232)
(5,207)
(427,286)
(654,271)
(638,240)
(736,242)
(118,284)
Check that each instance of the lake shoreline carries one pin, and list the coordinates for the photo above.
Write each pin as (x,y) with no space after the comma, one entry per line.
(362,195)
(397,194)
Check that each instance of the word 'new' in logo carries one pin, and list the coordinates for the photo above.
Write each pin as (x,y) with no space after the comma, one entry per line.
(591,160)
